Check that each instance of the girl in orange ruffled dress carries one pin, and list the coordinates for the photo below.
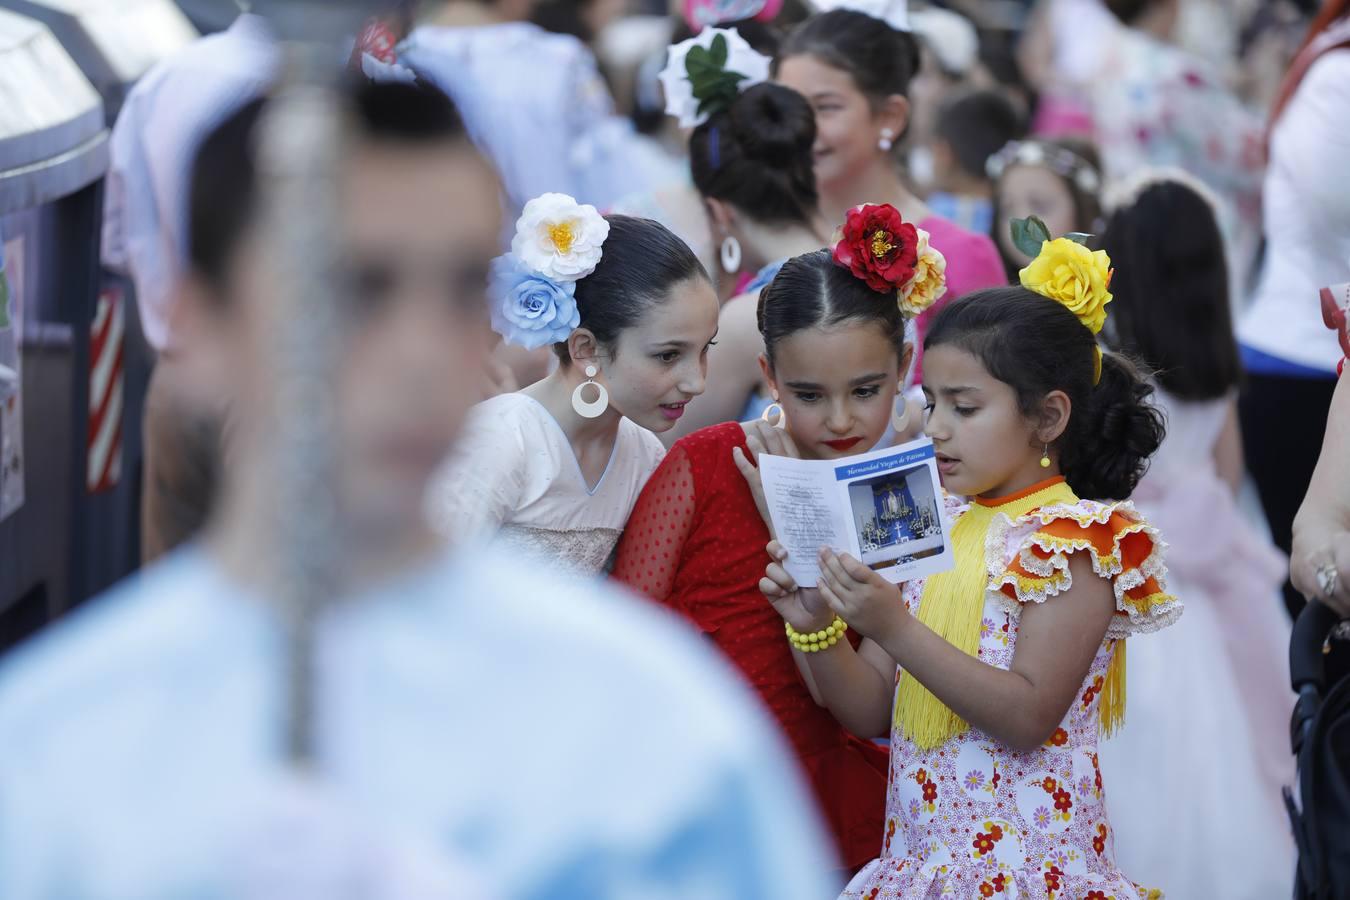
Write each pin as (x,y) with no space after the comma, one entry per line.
(997,679)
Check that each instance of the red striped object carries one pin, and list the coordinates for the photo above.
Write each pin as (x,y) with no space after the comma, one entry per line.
(105,393)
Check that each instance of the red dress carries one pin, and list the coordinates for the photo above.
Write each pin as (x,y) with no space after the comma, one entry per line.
(695,542)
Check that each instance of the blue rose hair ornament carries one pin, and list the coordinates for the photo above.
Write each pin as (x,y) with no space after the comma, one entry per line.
(532,289)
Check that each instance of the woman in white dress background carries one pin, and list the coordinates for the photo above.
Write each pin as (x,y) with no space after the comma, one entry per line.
(1210,695)
(630,313)
(536,104)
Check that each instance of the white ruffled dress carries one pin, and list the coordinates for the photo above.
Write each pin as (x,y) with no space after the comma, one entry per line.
(973,819)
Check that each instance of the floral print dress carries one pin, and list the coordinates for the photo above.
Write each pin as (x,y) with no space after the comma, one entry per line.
(1156,106)
(973,818)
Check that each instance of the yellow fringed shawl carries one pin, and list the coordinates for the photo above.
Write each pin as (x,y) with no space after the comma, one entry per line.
(953,606)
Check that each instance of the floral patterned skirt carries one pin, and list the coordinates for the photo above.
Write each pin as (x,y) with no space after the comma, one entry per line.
(911,879)
(973,820)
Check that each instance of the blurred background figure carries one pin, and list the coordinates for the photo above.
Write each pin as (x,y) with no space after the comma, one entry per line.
(647,770)
(1154,103)
(145,234)
(949,61)
(1057,181)
(1210,692)
(1290,356)
(971,128)
(534,100)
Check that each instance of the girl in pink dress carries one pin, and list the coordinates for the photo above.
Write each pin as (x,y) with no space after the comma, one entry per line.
(996,679)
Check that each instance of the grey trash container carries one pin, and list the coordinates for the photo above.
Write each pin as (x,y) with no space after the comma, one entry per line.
(53,155)
(114,42)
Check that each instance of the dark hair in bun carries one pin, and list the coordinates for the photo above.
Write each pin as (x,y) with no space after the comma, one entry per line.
(756,155)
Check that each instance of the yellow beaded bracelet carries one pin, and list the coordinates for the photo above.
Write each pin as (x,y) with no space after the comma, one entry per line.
(815,641)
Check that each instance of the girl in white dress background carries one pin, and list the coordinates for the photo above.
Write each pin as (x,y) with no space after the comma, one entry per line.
(1206,744)
(630,313)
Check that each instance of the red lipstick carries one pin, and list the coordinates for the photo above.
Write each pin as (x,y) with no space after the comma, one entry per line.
(843,444)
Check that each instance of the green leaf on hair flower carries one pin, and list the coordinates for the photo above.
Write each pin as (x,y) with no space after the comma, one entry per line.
(1080,237)
(711,84)
(1028,234)
(720,52)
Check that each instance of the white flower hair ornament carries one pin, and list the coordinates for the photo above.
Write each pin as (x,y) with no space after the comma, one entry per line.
(894,13)
(704,74)
(559,237)
(532,289)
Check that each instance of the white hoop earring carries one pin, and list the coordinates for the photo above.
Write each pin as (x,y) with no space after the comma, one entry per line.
(594,408)
(774,415)
(887,140)
(731,255)
(900,421)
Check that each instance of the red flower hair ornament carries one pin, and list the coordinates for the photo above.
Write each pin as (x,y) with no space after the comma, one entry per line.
(892,256)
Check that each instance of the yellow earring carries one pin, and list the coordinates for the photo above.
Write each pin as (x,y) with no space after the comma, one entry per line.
(1045,457)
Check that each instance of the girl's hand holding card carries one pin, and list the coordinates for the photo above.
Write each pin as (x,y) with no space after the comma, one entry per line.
(802,608)
(870,604)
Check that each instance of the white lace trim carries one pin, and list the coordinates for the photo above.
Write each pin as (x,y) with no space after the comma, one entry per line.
(1055,568)
(580,551)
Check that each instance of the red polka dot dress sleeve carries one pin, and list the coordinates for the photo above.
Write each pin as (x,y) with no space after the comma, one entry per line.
(649,553)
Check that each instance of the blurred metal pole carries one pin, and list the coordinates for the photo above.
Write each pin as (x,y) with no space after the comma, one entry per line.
(300,151)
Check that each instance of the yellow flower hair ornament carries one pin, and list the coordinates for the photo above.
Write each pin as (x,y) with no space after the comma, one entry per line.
(1066,271)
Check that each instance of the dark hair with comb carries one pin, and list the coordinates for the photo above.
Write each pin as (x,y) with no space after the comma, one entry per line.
(1171,306)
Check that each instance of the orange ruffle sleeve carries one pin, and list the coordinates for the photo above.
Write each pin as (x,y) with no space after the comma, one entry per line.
(1123,547)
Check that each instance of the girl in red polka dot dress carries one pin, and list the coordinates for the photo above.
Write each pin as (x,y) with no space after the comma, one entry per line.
(836,357)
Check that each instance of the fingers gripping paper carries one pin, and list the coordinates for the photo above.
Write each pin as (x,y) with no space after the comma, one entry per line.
(884,508)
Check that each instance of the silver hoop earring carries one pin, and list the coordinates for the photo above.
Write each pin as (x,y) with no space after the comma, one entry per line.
(900,420)
(731,255)
(594,408)
(774,415)
(887,140)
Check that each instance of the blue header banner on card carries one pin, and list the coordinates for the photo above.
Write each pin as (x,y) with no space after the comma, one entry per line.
(884,464)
